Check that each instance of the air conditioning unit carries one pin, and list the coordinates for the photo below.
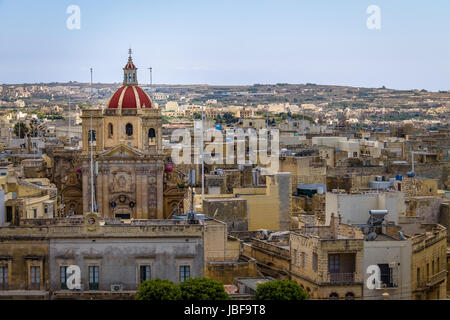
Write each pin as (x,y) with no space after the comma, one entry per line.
(116,288)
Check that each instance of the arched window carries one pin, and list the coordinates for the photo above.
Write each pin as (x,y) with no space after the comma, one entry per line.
(129,129)
(110,129)
(151,133)
(91,135)
(151,136)
(349,296)
(334,296)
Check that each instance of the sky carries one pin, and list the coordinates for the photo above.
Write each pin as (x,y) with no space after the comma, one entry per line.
(229,42)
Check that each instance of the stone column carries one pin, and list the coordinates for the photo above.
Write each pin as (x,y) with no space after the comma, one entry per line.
(145,174)
(160,189)
(85,187)
(139,203)
(105,194)
(99,193)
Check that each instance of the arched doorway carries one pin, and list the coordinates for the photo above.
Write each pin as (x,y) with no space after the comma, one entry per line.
(334,296)
(349,296)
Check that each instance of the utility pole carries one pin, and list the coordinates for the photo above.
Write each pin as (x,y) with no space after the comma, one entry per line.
(69,122)
(203,163)
(151,80)
(303,121)
(90,85)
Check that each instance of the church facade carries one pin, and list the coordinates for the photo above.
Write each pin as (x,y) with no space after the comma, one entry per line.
(128,162)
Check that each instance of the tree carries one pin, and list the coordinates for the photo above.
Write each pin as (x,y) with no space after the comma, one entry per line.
(23,129)
(202,289)
(229,118)
(158,289)
(280,290)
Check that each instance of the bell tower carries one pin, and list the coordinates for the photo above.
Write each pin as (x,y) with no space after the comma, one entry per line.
(130,72)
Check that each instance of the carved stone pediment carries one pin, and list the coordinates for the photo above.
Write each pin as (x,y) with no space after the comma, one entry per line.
(121,151)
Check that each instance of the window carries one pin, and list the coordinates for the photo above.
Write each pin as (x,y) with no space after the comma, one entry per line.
(428,271)
(432,267)
(34,213)
(4,277)
(93,277)
(438,264)
(185,273)
(151,133)
(303,259)
(333,263)
(45,210)
(315,262)
(386,275)
(9,214)
(418,274)
(110,130)
(91,136)
(129,129)
(145,273)
(295,257)
(63,277)
(35,276)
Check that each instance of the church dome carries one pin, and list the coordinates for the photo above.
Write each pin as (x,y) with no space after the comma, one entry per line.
(129,96)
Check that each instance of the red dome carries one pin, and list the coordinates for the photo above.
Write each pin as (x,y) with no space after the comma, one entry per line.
(130,97)
(130,65)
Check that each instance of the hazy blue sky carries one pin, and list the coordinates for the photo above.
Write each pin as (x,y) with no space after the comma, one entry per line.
(229,42)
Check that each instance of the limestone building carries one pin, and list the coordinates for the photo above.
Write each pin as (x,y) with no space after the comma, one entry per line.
(125,139)
(327,260)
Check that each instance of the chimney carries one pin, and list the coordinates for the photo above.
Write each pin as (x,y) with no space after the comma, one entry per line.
(334,225)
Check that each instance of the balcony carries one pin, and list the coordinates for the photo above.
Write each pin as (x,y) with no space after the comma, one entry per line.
(437,278)
(341,278)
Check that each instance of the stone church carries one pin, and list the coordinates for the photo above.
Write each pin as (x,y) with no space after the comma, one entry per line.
(128,162)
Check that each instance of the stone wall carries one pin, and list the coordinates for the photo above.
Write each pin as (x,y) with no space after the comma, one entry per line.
(232,211)
(227,271)
(426,207)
